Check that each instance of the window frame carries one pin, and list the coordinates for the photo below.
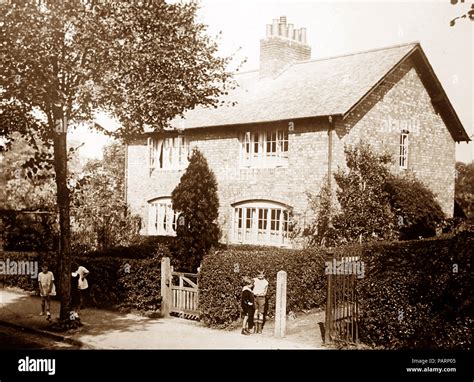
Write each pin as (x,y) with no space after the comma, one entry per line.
(265,148)
(168,153)
(403,150)
(160,213)
(261,222)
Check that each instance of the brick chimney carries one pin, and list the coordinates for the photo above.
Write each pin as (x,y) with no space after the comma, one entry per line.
(282,45)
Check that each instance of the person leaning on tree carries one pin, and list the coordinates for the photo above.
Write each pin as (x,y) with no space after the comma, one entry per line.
(260,286)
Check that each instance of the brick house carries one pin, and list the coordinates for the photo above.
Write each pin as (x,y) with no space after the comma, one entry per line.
(288,129)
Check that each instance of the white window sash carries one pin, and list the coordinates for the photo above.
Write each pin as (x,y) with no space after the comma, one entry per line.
(151,161)
(264,149)
(261,216)
(403,153)
(245,149)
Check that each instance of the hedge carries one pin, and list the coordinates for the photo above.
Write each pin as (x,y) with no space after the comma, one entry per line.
(411,295)
(113,282)
(146,248)
(416,294)
(220,280)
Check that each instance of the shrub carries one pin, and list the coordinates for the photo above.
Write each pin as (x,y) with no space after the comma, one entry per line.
(412,296)
(373,203)
(195,197)
(148,247)
(113,282)
(417,210)
(363,199)
(28,231)
(220,280)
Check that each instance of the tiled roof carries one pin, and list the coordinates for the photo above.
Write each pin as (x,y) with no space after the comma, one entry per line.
(321,87)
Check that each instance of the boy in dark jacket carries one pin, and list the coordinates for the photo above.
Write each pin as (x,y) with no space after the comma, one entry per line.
(247,303)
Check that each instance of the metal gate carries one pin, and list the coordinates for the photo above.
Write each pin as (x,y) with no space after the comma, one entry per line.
(342,309)
(184,295)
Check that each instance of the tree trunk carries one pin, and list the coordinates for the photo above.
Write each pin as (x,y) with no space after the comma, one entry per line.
(64,257)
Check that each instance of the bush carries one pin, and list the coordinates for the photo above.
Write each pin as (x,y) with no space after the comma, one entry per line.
(195,198)
(372,203)
(28,231)
(417,210)
(220,280)
(148,247)
(412,296)
(113,282)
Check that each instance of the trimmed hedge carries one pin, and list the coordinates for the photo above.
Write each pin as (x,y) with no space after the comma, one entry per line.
(113,282)
(220,280)
(412,296)
(145,249)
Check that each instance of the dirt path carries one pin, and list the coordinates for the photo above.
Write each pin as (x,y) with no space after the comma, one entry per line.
(113,330)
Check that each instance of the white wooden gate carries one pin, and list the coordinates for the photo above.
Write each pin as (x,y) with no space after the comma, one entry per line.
(179,292)
(184,294)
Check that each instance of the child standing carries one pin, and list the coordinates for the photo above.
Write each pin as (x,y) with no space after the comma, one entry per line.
(247,303)
(46,285)
(82,285)
(260,292)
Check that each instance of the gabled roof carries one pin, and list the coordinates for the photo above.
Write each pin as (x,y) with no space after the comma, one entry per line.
(323,87)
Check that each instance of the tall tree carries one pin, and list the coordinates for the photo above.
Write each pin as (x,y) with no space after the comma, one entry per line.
(100,218)
(143,62)
(195,198)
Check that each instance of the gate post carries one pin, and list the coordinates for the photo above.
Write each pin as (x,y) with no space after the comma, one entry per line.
(280,308)
(329,300)
(165,286)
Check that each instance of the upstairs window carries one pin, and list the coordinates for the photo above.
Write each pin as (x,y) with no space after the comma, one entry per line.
(168,153)
(162,219)
(264,148)
(403,153)
(261,222)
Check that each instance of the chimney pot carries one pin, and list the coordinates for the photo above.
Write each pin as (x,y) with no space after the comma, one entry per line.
(303,35)
(283,30)
(275,27)
(290,31)
(277,53)
(296,35)
(269,30)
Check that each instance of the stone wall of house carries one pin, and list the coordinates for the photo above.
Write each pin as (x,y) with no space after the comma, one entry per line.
(307,166)
(402,103)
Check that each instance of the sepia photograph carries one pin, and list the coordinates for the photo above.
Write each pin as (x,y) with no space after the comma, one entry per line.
(237,175)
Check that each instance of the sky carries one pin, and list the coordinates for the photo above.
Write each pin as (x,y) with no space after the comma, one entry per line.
(340,27)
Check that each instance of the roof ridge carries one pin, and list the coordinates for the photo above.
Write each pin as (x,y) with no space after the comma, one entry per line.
(332,57)
(358,52)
